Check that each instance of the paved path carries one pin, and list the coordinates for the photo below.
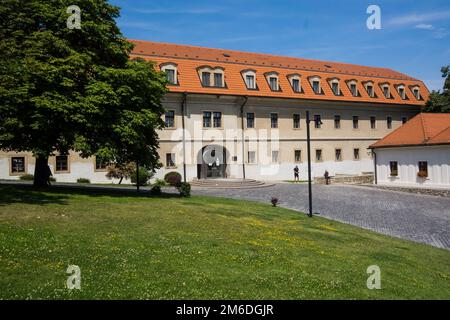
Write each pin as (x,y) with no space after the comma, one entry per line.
(419,218)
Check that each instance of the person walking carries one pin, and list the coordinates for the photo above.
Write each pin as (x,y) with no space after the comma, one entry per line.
(296,174)
(48,174)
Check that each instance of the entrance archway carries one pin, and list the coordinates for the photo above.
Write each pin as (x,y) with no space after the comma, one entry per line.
(212,162)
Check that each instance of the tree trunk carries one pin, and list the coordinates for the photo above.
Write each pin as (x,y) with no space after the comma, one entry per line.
(40,172)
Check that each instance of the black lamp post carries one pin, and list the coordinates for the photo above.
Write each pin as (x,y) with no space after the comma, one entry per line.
(308,141)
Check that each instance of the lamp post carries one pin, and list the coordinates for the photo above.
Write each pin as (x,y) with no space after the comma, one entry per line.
(308,142)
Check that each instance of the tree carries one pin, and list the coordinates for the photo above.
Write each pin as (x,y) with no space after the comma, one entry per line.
(440,101)
(67,89)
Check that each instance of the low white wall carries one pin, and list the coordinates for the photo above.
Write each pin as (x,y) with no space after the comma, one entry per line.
(438,158)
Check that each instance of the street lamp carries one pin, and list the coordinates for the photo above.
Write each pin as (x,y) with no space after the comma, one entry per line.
(317,122)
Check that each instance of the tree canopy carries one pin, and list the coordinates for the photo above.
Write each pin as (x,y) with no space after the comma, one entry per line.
(67,89)
(440,101)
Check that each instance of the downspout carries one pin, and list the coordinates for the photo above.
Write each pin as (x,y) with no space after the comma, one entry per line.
(243,136)
(183,111)
(375,166)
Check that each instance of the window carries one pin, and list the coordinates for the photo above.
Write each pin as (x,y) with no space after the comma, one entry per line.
(62,164)
(389,122)
(338,154)
(386,92)
(297,155)
(404,120)
(370,91)
(170,76)
(206,119)
(393,168)
(218,80)
(250,120)
(416,93)
(273,82)
(318,155)
(250,81)
(316,86)
(356,154)
(274,156)
(206,79)
(100,164)
(373,122)
(317,121)
(353,89)
(170,160)
(296,85)
(423,169)
(337,121)
(335,88)
(401,92)
(17,164)
(251,157)
(274,120)
(296,121)
(217,119)
(169,119)
(355,122)
(170,69)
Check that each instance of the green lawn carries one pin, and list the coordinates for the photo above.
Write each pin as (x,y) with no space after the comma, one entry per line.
(198,248)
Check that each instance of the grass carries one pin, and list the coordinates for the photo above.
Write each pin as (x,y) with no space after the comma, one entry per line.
(130,246)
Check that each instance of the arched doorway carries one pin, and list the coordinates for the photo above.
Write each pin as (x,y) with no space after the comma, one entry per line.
(212,162)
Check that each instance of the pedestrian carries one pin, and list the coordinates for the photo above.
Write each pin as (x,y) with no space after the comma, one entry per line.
(327,177)
(48,174)
(296,176)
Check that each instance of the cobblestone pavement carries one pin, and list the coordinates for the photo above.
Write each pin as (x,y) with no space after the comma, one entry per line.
(419,218)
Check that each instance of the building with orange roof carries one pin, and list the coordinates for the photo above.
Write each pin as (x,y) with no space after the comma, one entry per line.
(416,154)
(234,114)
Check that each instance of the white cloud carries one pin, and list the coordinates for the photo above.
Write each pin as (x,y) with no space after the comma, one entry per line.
(418,18)
(424,26)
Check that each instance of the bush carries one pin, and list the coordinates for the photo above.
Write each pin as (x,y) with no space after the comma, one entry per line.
(144,176)
(160,183)
(185,189)
(83,180)
(274,201)
(155,190)
(27,177)
(173,178)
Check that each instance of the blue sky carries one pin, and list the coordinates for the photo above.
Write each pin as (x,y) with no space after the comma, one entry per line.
(414,39)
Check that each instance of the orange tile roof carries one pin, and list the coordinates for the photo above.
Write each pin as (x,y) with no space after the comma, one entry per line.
(423,129)
(189,58)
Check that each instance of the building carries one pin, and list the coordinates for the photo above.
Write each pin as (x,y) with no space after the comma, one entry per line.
(416,154)
(236,114)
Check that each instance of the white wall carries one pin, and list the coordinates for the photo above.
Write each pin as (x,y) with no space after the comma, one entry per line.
(438,158)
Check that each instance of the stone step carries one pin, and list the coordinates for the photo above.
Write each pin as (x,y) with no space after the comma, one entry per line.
(229,183)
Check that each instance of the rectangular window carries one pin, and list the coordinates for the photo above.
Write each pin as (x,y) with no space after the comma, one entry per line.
(17,164)
(373,122)
(389,122)
(169,119)
(338,154)
(206,78)
(100,164)
(393,168)
(355,122)
(273,81)
(337,121)
(401,92)
(356,154)
(318,155)
(416,94)
(335,88)
(296,85)
(297,155)
(423,169)
(170,160)
(274,120)
(218,80)
(251,157)
(316,86)
(296,121)
(274,156)
(353,90)
(206,119)
(62,164)
(170,75)
(370,91)
(386,92)
(250,81)
(317,121)
(217,119)
(250,120)
(404,120)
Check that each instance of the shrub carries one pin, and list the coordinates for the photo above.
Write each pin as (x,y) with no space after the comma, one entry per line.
(274,201)
(27,177)
(173,178)
(160,183)
(83,180)
(155,190)
(144,176)
(185,189)
(422,174)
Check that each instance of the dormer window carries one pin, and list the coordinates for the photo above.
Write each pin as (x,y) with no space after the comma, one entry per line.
(353,88)
(401,91)
(386,90)
(170,69)
(416,92)
(315,84)
(206,79)
(294,80)
(249,77)
(334,83)
(211,77)
(369,88)
(218,79)
(272,79)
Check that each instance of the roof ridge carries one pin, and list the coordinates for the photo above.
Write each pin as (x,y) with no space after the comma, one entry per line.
(422,120)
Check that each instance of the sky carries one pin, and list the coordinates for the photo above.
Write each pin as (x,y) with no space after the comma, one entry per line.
(414,37)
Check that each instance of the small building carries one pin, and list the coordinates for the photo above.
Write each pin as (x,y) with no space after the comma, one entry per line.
(417,154)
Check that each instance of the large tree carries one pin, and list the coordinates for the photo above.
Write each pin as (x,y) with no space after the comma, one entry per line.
(67,89)
(440,101)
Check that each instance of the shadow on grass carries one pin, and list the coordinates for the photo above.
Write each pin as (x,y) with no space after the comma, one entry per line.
(15,193)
